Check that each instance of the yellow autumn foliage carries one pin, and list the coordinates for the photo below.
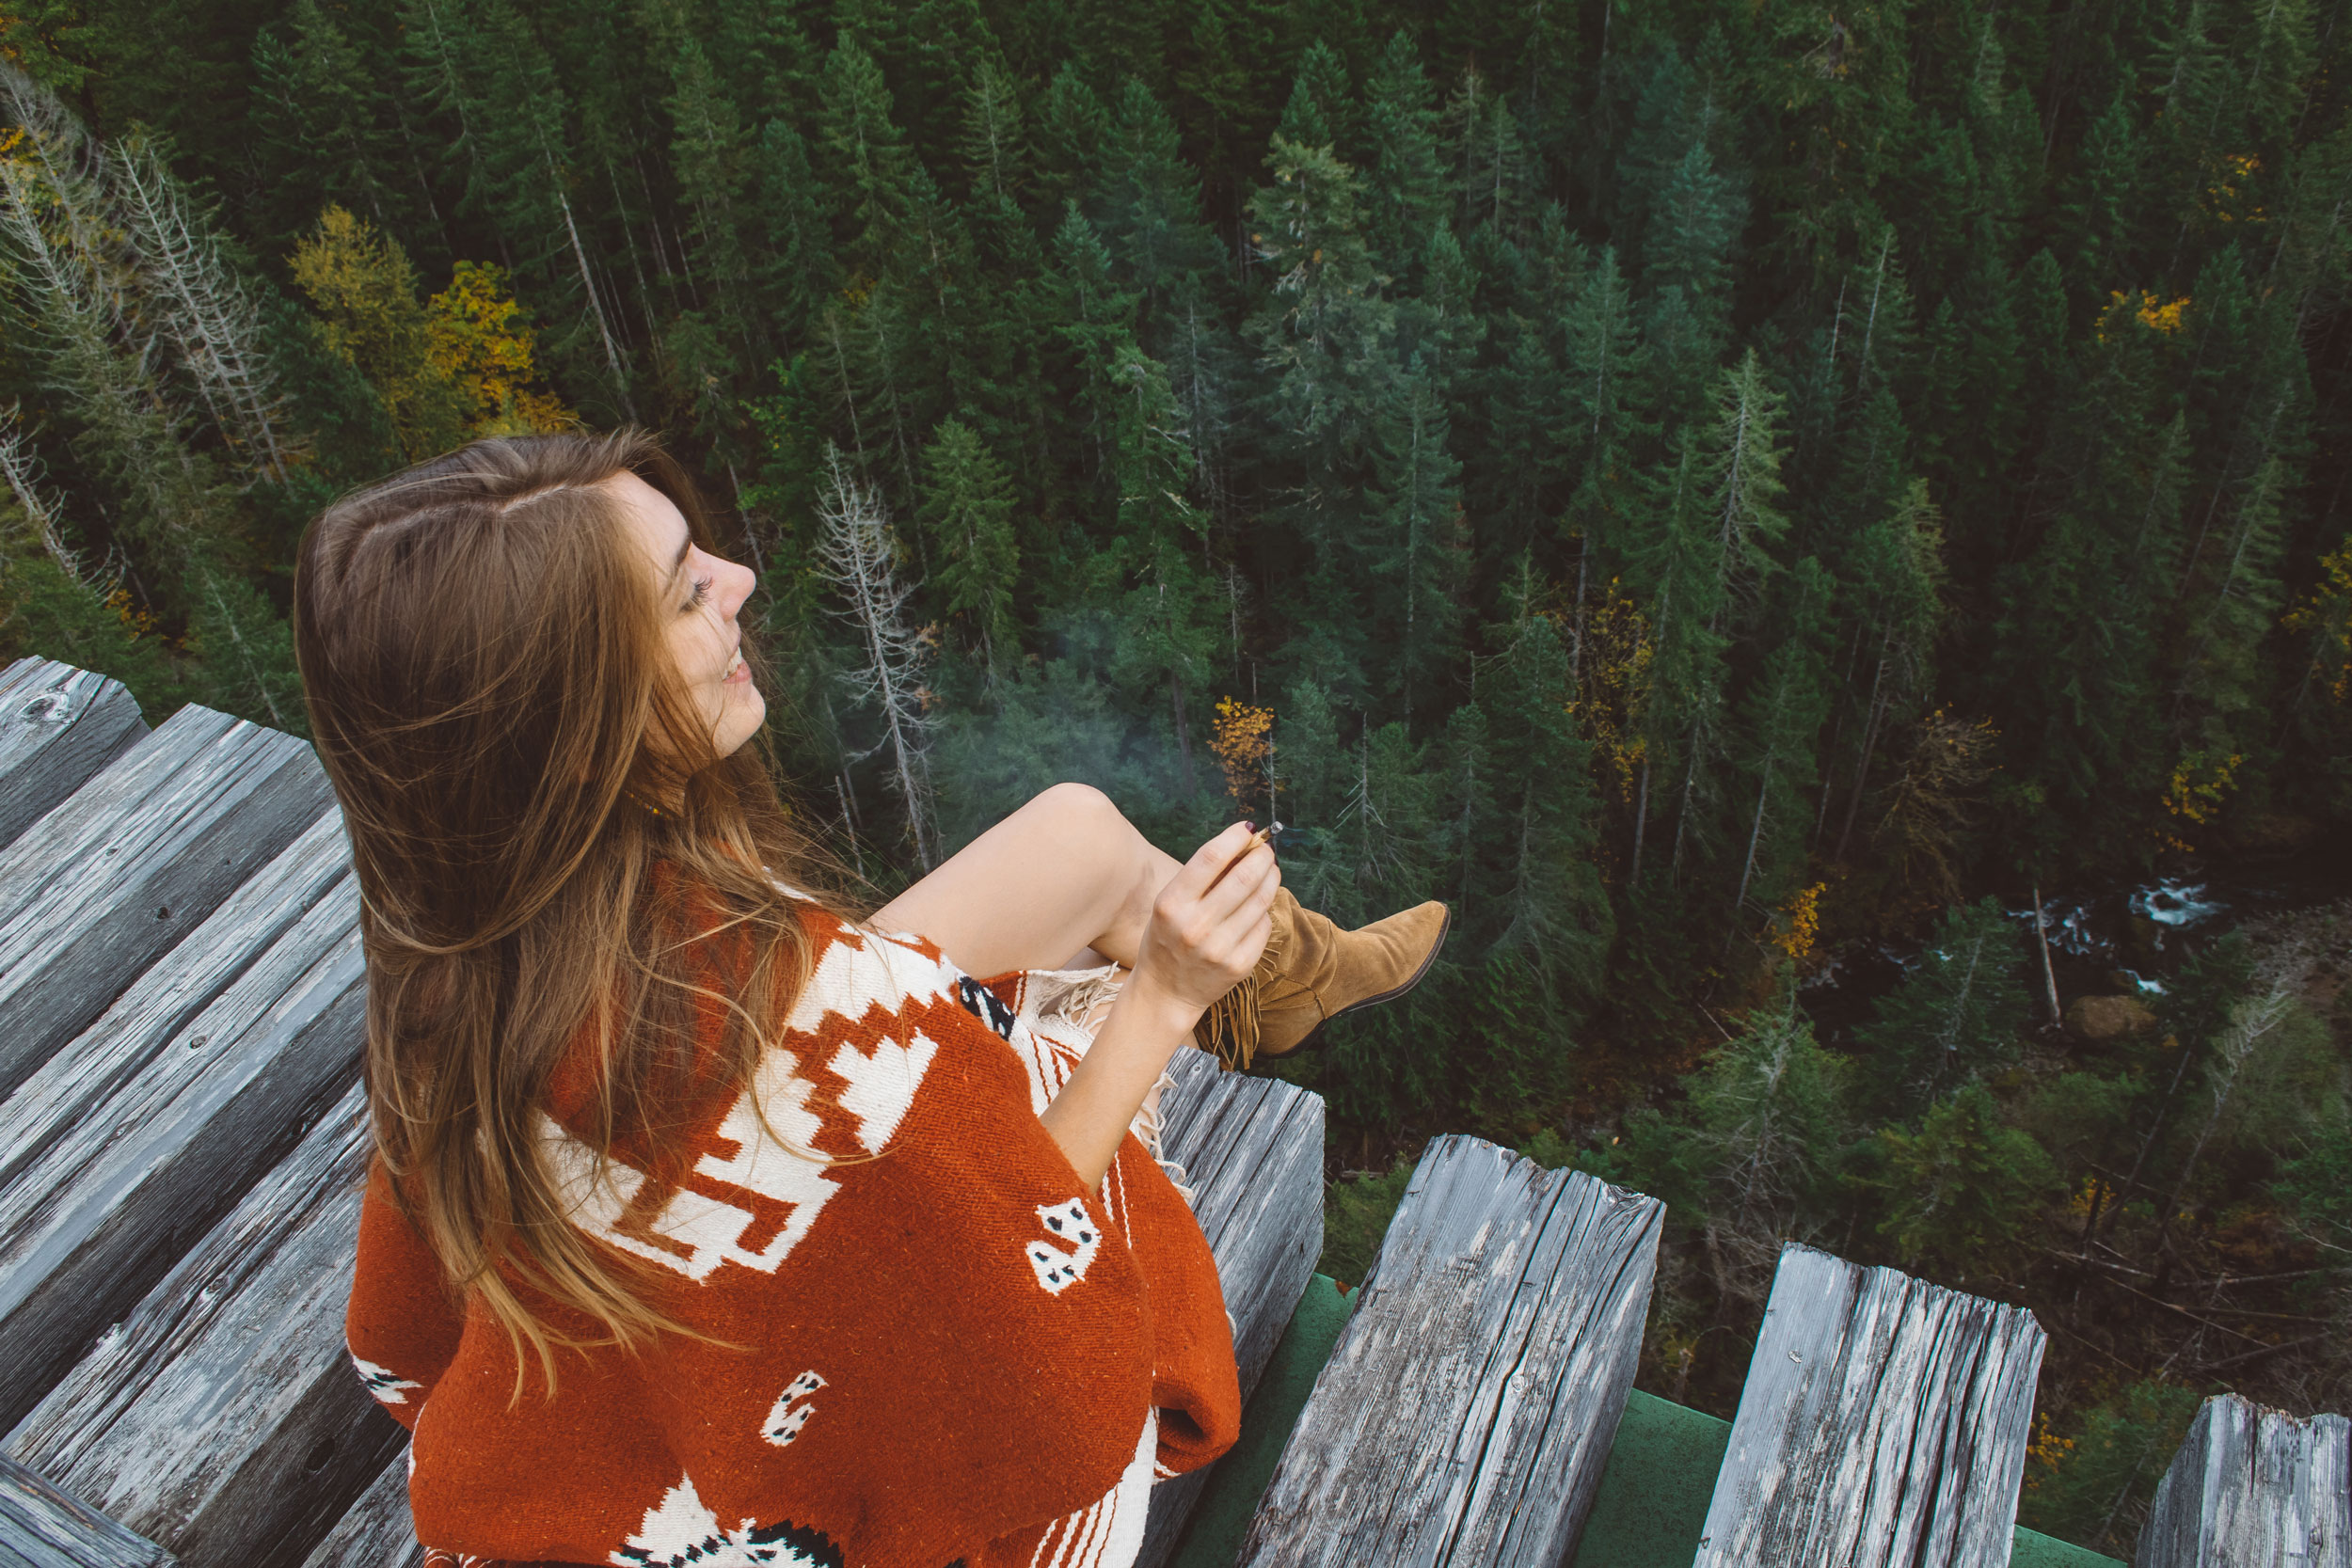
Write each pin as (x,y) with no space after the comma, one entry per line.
(479,338)
(448,370)
(2325,617)
(1243,743)
(1613,683)
(2157,316)
(1797,924)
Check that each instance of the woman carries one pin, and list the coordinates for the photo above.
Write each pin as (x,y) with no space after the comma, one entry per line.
(707,1225)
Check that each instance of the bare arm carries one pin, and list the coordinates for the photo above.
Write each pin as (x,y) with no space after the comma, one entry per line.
(1200,940)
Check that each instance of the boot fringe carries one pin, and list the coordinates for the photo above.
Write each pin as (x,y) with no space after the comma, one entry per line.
(1229,1030)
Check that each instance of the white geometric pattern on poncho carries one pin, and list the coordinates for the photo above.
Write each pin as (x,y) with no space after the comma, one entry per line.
(679,1533)
(705,1230)
(1110,1534)
(882,1085)
(1068,1222)
(791,1411)
(383,1382)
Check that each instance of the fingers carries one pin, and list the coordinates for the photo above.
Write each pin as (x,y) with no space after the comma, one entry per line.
(1241,931)
(1209,923)
(1207,863)
(1239,881)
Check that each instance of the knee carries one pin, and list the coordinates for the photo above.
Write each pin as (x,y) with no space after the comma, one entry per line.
(1079,807)
(1088,829)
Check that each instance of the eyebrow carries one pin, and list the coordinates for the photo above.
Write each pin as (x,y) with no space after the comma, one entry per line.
(684,545)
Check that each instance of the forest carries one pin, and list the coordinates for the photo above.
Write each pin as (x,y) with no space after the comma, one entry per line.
(1751,504)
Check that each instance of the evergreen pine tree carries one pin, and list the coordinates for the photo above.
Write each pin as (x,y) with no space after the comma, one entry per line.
(1548,905)
(1323,330)
(1959,1014)
(1070,130)
(1781,724)
(319,125)
(1320,113)
(1726,510)
(1491,162)
(1418,557)
(2235,604)
(1765,1133)
(1095,323)
(869,163)
(1604,372)
(1961,1187)
(1407,185)
(994,146)
(1686,245)
(967,514)
(2106,201)
(1151,205)
(1899,589)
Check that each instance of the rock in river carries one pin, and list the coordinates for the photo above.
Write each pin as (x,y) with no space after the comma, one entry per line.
(2100,1019)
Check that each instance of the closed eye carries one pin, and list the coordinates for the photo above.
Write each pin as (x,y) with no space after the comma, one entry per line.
(700,596)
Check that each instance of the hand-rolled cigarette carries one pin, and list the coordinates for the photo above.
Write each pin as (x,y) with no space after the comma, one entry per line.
(1264,835)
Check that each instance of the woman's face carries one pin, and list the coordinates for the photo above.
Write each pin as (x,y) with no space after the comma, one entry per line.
(698,595)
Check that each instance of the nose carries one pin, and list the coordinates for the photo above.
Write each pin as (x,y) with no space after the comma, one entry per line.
(737,582)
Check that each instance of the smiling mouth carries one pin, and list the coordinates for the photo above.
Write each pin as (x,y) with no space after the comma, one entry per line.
(736,669)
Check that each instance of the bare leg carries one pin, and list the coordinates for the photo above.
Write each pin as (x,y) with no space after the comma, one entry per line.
(1064,875)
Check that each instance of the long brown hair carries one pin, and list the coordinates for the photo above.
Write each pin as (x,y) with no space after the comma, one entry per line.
(483,656)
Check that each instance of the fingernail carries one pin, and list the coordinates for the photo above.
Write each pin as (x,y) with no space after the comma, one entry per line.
(1251,827)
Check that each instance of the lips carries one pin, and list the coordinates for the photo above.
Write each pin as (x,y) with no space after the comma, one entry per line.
(736,669)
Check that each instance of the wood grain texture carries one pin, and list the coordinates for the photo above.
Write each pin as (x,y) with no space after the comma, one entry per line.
(222,1417)
(2254,1488)
(99,1214)
(136,860)
(1251,1153)
(102,1061)
(44,1526)
(378,1531)
(59,725)
(1469,1407)
(1883,1422)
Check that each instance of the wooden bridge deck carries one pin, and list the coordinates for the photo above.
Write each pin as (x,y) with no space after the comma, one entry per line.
(181,1138)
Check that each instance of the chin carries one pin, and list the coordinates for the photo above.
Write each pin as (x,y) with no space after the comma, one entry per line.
(743,719)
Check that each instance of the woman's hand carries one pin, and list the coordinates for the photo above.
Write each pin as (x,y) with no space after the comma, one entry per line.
(1205,934)
(1209,923)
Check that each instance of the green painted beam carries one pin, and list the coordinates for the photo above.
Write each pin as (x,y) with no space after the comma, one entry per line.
(1653,1496)
(1660,1475)
(1213,1539)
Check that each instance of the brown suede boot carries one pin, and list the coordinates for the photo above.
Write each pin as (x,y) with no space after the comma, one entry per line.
(1311,973)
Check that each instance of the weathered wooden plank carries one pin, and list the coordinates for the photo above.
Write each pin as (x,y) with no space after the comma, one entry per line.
(1883,1422)
(105,884)
(74,1084)
(222,1417)
(1251,1152)
(2254,1488)
(1468,1409)
(59,725)
(378,1531)
(43,1527)
(93,1221)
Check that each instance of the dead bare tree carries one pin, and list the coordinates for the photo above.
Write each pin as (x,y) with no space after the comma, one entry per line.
(858,556)
(22,468)
(202,307)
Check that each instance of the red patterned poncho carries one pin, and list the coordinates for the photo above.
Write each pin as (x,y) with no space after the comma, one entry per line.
(955,1352)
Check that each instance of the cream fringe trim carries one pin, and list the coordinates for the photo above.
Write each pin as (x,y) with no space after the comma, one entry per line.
(1074,1003)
